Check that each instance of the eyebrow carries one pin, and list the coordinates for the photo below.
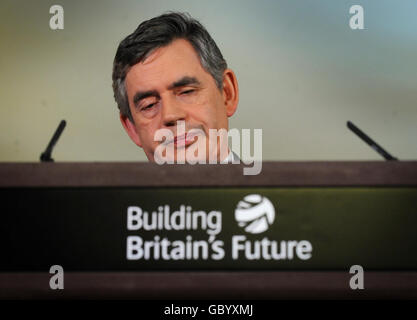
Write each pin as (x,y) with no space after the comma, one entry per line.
(140,95)
(184,81)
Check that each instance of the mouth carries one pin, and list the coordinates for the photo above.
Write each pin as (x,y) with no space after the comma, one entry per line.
(183,140)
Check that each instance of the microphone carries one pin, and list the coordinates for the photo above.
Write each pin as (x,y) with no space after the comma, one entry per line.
(370,142)
(46,155)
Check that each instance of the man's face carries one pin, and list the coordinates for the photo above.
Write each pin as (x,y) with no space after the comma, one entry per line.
(171,85)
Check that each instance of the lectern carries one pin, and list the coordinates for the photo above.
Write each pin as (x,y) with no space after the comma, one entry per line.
(145,231)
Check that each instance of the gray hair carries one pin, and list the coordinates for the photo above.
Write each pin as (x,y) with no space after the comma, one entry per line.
(159,32)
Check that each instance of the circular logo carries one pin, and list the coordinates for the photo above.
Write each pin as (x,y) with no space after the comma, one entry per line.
(255,213)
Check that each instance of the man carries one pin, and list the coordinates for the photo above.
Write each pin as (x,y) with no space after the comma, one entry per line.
(173,89)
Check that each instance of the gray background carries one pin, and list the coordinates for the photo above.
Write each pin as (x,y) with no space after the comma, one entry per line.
(302,74)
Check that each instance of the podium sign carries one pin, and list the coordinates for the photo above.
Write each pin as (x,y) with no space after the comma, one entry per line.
(208,231)
(207,228)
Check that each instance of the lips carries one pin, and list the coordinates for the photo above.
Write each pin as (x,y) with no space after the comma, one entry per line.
(184,139)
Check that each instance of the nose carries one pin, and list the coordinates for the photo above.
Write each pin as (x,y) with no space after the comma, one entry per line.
(172,112)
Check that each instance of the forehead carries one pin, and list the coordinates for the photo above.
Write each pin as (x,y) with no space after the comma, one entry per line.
(164,66)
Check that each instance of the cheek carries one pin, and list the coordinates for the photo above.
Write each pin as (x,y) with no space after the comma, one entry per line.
(208,112)
(146,133)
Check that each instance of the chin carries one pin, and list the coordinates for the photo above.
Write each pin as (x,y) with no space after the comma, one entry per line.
(150,156)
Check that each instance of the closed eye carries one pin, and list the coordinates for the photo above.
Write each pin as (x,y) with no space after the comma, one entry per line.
(187,91)
(148,106)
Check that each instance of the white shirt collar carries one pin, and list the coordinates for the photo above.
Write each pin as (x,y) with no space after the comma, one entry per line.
(230,158)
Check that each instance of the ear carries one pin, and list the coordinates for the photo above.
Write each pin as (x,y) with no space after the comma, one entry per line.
(230,92)
(130,129)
